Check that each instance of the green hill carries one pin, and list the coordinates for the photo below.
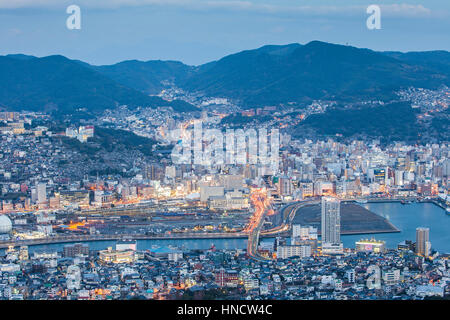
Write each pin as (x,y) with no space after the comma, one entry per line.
(57,84)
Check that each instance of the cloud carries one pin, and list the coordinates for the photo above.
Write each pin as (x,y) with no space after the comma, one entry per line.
(256,6)
(405,9)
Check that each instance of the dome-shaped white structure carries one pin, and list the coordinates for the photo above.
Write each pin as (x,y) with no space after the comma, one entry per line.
(5,224)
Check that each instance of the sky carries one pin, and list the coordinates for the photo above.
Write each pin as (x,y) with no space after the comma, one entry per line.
(199,31)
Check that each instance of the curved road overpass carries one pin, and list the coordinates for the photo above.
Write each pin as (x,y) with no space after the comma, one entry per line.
(262,205)
(288,213)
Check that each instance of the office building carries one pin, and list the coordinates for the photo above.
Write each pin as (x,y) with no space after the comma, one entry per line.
(113,256)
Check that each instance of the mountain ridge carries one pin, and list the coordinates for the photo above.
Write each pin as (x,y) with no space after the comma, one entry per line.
(268,75)
(56,83)
(316,70)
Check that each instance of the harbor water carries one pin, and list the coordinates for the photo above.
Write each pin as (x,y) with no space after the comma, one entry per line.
(405,217)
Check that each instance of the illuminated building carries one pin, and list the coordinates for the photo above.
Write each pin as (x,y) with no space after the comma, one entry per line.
(331,226)
(399,178)
(7,206)
(42,255)
(151,172)
(406,245)
(23,253)
(423,244)
(9,116)
(380,175)
(54,202)
(251,283)
(113,256)
(304,232)
(231,201)
(102,198)
(323,188)
(228,278)
(331,220)
(391,277)
(73,277)
(350,275)
(70,198)
(332,248)
(370,246)
(82,134)
(307,189)
(284,252)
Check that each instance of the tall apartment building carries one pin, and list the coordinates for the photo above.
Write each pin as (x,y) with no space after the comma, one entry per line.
(423,244)
(331,225)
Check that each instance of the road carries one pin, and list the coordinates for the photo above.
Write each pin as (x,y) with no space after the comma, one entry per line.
(288,213)
(262,206)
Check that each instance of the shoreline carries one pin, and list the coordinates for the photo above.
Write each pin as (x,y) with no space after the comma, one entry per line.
(141,237)
(433,201)
(355,219)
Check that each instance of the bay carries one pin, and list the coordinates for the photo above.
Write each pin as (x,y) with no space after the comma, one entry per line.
(405,217)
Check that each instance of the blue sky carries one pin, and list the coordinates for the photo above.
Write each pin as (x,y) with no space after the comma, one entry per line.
(198,31)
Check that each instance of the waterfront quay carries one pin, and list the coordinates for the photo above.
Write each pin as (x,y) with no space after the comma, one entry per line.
(282,224)
(106,237)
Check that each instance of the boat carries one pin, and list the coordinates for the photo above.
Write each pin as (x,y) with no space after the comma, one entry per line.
(361,200)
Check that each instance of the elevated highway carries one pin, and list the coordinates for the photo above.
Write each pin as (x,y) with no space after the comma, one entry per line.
(288,215)
(262,205)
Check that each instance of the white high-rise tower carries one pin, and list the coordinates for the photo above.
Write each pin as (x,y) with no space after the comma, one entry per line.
(331,225)
(41,192)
